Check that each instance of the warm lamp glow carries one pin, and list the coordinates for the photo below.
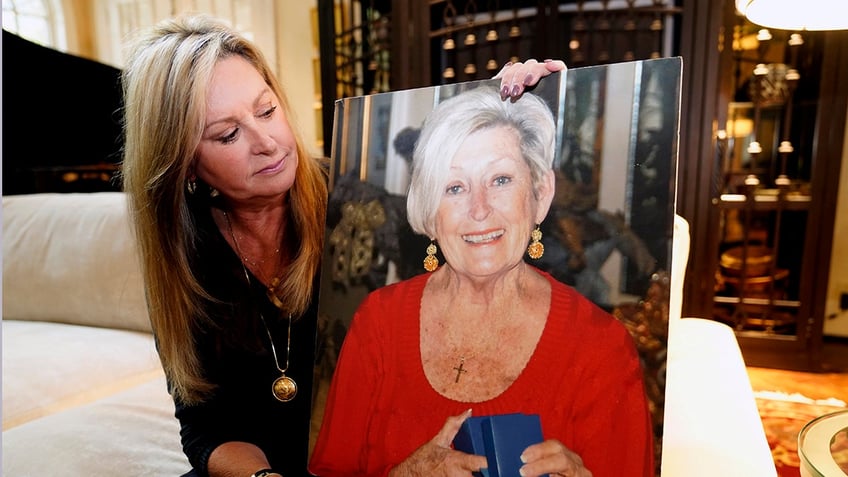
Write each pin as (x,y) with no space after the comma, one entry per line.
(742,127)
(796,14)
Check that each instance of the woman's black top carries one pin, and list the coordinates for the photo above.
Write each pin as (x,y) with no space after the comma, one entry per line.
(235,353)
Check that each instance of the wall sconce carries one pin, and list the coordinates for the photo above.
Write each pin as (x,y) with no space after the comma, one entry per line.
(796,15)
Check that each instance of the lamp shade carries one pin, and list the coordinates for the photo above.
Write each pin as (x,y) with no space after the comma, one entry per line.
(796,15)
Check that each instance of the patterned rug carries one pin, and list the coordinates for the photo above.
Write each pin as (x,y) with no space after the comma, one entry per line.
(784,415)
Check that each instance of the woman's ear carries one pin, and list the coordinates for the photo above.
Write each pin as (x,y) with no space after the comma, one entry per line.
(545,195)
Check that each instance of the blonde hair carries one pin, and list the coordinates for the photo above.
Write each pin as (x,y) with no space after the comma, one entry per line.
(165,83)
(451,122)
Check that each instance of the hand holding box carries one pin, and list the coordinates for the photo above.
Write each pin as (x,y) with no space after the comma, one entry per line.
(501,438)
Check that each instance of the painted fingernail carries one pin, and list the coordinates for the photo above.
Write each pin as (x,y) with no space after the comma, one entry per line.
(528,80)
(548,60)
(516,90)
(507,64)
(504,92)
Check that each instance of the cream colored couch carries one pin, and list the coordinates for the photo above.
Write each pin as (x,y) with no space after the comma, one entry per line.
(83,389)
(84,395)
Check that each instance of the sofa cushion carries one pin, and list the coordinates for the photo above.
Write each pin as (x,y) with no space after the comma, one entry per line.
(50,367)
(71,258)
(131,433)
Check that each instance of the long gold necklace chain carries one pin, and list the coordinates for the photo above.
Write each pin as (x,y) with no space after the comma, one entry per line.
(283,388)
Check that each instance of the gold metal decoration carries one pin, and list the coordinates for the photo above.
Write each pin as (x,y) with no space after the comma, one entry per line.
(535,250)
(431,263)
(284,388)
(352,240)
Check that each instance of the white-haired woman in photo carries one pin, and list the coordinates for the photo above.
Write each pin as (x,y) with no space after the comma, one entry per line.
(485,332)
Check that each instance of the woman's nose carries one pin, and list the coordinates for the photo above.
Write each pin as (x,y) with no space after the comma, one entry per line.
(480,207)
(263,142)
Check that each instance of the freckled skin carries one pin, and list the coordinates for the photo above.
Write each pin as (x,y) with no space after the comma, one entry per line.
(486,214)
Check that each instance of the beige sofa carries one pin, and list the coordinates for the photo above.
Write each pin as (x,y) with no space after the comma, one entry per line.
(83,389)
(84,394)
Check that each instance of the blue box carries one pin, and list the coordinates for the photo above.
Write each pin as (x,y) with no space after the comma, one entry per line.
(501,438)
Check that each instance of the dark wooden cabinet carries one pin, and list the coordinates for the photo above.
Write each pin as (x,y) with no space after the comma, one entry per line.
(762,217)
(376,46)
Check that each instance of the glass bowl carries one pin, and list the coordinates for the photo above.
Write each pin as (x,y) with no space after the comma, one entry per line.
(823,446)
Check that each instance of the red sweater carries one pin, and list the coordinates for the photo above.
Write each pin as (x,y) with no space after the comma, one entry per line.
(584,380)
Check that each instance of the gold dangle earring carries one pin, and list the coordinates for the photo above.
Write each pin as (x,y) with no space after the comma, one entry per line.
(431,263)
(191,186)
(535,250)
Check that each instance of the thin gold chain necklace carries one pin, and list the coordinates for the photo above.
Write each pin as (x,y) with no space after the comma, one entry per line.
(283,388)
(256,264)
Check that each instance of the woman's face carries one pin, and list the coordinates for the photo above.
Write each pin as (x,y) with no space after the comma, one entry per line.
(247,150)
(488,208)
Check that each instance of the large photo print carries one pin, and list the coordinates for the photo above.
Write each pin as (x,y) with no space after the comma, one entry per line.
(605,231)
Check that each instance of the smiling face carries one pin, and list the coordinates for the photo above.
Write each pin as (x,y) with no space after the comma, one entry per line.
(247,150)
(489,208)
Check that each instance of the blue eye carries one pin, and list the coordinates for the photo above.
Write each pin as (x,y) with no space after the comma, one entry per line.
(454,189)
(502,180)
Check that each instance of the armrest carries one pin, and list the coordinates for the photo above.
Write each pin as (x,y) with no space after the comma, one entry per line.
(712,426)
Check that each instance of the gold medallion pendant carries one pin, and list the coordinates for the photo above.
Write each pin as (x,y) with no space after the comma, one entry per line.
(284,388)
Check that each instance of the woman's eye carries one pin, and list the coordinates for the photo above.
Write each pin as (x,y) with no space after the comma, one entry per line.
(268,112)
(229,138)
(454,189)
(502,180)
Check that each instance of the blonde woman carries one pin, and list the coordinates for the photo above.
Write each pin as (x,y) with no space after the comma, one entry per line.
(228,209)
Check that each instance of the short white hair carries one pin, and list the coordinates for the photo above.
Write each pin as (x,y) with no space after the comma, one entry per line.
(450,124)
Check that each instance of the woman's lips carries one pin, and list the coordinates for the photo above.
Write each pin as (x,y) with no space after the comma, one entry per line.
(485,237)
(275,167)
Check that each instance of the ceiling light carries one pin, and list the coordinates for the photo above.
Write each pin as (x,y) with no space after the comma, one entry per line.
(796,15)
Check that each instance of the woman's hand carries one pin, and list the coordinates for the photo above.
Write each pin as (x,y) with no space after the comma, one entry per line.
(436,458)
(551,457)
(517,76)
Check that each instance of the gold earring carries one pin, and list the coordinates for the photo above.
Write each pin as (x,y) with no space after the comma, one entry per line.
(431,263)
(535,250)
(191,186)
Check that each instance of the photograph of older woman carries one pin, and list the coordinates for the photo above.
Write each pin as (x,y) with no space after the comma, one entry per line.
(485,332)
